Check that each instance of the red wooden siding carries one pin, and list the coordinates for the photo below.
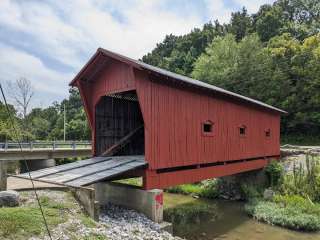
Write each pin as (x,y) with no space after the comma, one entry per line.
(173,121)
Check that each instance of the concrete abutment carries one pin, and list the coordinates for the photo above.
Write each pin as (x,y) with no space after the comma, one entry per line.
(148,202)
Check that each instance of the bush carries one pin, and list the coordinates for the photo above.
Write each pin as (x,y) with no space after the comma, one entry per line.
(292,212)
(275,173)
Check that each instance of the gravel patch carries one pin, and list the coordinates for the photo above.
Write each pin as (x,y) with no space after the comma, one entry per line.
(128,224)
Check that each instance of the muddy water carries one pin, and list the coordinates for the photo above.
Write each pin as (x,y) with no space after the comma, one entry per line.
(217,219)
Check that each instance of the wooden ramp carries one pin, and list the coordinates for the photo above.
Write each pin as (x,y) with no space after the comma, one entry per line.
(86,172)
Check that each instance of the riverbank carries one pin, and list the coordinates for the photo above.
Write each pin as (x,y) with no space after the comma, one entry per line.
(207,219)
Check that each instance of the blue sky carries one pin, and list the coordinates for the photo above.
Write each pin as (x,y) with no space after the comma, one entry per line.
(49,41)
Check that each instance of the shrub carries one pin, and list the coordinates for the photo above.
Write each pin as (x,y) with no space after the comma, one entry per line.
(304,179)
(250,192)
(275,173)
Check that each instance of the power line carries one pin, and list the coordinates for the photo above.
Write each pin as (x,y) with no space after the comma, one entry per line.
(15,131)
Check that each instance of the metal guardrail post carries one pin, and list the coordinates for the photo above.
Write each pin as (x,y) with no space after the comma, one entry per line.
(53,145)
(73,145)
(6,146)
(31,145)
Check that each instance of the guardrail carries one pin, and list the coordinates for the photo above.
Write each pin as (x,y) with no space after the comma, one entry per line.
(52,145)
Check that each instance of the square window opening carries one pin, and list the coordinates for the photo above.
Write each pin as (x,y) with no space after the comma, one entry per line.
(242,131)
(268,133)
(207,128)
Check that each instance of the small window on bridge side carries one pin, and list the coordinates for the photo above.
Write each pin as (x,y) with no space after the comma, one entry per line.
(242,130)
(207,128)
(268,133)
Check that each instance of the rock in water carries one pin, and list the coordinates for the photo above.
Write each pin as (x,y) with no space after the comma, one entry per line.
(268,194)
(9,199)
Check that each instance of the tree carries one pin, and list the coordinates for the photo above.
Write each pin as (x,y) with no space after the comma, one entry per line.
(240,24)
(22,92)
(269,22)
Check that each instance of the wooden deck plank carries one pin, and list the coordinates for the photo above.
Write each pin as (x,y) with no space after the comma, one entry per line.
(70,166)
(88,171)
(104,175)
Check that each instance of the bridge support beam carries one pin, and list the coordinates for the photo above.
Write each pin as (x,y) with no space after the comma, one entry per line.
(3,175)
(148,202)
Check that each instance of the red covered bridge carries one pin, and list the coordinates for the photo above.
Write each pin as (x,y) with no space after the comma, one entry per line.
(187,130)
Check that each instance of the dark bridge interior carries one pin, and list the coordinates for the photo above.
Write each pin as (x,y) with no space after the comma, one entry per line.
(119,125)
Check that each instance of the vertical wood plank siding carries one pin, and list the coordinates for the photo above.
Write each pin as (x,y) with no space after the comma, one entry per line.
(173,118)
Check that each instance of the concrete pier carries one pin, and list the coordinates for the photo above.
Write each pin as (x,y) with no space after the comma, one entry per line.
(149,202)
(3,175)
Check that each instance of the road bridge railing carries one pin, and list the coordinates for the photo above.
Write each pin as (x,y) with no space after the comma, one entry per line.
(48,145)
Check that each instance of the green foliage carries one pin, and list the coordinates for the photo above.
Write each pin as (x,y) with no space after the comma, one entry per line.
(305,179)
(131,181)
(178,54)
(24,222)
(205,189)
(275,173)
(250,192)
(289,212)
(240,24)
(47,123)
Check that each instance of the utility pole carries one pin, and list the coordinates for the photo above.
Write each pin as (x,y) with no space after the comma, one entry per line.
(64,122)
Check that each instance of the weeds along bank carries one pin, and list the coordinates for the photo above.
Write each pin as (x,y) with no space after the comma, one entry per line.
(294,196)
(289,197)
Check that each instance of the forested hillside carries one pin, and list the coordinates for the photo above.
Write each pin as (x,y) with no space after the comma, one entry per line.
(272,56)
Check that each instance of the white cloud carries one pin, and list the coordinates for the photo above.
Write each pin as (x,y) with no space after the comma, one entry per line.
(15,64)
(253,6)
(219,10)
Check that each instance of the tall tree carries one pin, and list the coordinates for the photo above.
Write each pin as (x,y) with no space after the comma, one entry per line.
(240,24)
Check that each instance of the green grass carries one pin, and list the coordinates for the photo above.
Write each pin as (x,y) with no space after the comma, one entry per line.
(293,212)
(24,222)
(205,189)
(87,221)
(131,181)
